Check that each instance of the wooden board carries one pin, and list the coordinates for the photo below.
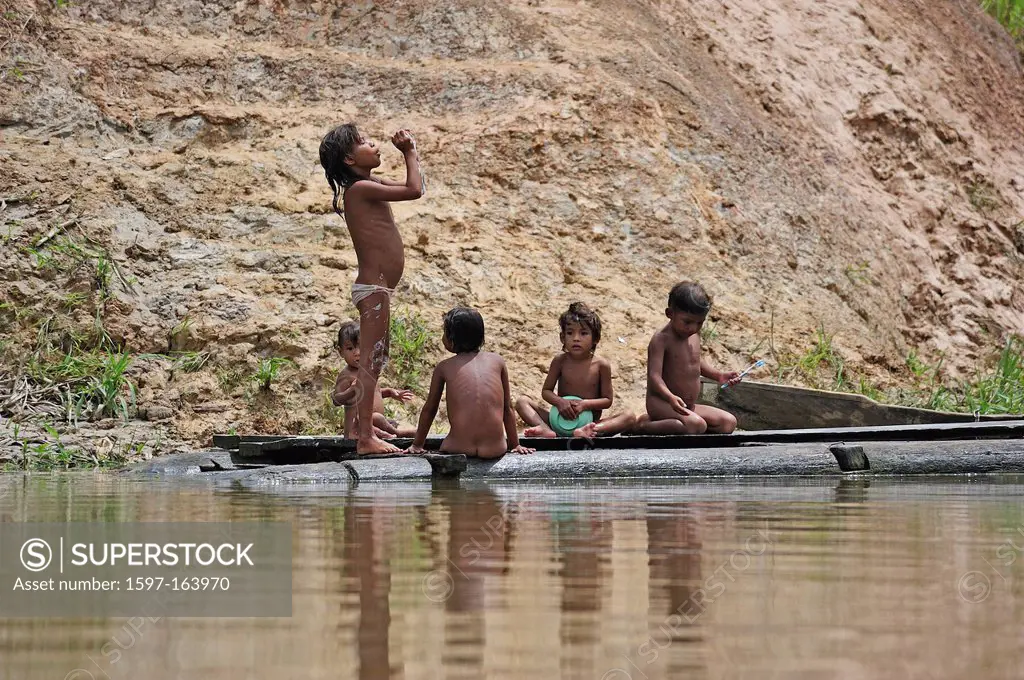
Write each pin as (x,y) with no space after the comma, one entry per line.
(313,449)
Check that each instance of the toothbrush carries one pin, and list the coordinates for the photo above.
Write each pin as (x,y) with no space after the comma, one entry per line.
(757,364)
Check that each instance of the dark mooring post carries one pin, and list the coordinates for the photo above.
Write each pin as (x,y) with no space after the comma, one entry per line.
(850,457)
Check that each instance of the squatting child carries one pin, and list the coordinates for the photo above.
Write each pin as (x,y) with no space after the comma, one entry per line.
(576,372)
(476,384)
(348,159)
(674,368)
(346,389)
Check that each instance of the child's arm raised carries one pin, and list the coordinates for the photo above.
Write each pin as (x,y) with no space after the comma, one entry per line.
(511,434)
(655,379)
(564,406)
(429,411)
(392,192)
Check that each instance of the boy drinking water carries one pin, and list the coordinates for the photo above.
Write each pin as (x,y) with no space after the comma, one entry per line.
(479,406)
(576,372)
(348,159)
(345,389)
(674,368)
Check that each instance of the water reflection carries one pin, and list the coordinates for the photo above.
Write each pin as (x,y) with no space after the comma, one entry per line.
(697,580)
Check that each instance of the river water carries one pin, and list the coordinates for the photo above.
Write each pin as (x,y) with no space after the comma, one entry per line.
(767,578)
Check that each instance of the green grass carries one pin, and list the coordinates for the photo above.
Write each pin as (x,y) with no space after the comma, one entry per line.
(995,391)
(1009,13)
(408,360)
(821,366)
(708,333)
(999,391)
(267,371)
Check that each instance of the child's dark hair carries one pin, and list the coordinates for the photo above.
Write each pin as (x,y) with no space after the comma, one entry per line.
(584,316)
(335,146)
(689,297)
(348,334)
(465,329)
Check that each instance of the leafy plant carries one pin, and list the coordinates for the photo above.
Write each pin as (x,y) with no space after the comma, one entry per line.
(268,369)
(409,339)
(190,362)
(111,392)
(1009,13)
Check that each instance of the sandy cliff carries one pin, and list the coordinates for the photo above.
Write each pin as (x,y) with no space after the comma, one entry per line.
(854,164)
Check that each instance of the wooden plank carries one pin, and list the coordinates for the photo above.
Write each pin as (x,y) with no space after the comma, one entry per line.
(231,442)
(315,449)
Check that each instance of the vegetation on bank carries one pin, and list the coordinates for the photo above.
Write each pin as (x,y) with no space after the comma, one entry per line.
(1009,13)
(997,389)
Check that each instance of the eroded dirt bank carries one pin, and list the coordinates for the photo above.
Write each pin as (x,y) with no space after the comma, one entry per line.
(857,165)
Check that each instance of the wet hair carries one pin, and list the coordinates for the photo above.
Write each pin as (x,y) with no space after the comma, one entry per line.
(690,298)
(584,316)
(334,148)
(348,334)
(465,329)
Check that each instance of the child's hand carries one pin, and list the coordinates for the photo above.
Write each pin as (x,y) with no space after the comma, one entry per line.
(729,378)
(522,450)
(403,141)
(678,405)
(401,395)
(415,449)
(577,408)
(565,407)
(381,434)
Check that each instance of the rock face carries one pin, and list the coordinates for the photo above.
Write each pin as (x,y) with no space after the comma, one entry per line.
(856,164)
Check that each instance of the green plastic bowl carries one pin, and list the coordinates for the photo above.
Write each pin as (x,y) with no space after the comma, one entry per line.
(566,426)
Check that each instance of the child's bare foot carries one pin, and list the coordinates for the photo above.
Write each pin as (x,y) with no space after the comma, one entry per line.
(367,446)
(539,431)
(588,431)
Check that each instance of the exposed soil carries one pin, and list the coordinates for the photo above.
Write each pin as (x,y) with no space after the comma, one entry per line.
(857,164)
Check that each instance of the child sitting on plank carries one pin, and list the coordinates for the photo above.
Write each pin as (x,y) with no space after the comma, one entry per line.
(479,406)
(674,368)
(578,385)
(346,389)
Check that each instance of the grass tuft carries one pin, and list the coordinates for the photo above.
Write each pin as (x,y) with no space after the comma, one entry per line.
(268,370)
(408,360)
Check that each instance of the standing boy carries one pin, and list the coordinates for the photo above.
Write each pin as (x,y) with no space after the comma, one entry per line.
(479,406)
(348,159)
(576,372)
(674,368)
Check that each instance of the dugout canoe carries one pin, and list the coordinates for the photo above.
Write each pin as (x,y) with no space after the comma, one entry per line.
(766,406)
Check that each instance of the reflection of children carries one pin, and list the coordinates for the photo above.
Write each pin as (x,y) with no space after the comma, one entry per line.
(348,159)
(346,389)
(578,372)
(479,406)
(674,368)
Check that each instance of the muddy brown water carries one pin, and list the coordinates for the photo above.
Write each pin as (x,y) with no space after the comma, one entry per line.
(767,578)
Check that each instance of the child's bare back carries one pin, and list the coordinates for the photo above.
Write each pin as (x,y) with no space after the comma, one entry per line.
(475,397)
(479,405)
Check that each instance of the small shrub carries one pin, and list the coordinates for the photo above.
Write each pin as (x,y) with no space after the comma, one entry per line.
(268,370)
(409,339)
